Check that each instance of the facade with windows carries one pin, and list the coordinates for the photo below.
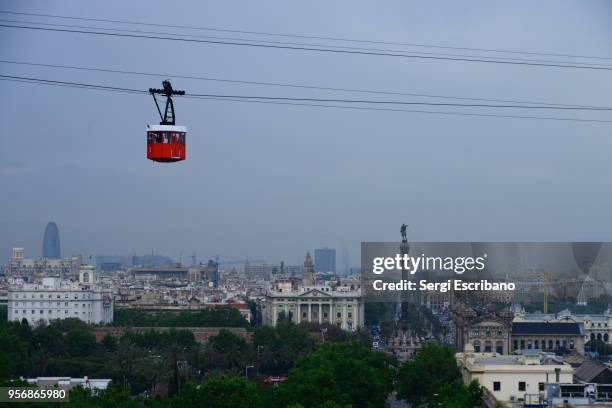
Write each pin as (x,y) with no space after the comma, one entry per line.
(510,378)
(317,304)
(548,336)
(488,334)
(54,299)
(596,326)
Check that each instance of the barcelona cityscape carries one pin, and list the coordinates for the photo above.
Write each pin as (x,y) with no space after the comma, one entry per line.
(272,204)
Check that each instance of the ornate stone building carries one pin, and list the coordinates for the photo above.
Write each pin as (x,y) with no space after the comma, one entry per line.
(340,305)
(486,332)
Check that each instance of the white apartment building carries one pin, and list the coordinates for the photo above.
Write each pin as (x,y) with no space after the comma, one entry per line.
(512,378)
(54,299)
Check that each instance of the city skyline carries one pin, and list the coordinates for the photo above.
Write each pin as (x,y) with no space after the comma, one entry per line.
(267,181)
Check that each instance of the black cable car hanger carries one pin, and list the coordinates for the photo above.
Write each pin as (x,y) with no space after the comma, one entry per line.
(168,118)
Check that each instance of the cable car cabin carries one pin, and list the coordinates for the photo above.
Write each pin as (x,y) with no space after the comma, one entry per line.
(166,143)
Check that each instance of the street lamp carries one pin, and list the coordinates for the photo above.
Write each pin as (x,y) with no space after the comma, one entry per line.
(246,371)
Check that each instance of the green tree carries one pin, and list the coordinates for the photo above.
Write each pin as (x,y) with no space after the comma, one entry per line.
(433,377)
(277,348)
(230,392)
(229,351)
(80,342)
(14,359)
(340,373)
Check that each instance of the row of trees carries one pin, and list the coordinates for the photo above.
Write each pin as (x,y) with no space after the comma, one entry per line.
(338,373)
(218,317)
(335,375)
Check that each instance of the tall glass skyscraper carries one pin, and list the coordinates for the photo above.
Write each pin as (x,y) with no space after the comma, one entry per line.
(325,260)
(51,247)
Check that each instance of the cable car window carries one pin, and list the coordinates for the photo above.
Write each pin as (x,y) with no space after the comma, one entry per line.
(166,137)
(182,138)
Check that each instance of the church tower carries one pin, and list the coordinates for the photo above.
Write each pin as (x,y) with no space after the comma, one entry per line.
(308,275)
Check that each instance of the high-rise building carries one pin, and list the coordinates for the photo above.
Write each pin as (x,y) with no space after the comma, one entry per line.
(51,248)
(325,260)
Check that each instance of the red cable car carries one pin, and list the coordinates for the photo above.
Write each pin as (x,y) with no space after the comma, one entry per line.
(166,141)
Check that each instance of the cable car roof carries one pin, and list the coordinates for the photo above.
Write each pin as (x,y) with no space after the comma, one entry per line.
(167,128)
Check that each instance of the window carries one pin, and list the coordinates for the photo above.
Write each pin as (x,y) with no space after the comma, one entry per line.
(496,386)
(477,346)
(350,315)
(522,386)
(488,347)
(338,315)
(182,138)
(499,347)
(541,386)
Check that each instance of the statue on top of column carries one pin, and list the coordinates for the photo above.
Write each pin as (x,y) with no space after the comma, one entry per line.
(403,231)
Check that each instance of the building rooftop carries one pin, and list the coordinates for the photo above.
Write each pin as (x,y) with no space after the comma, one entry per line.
(547,328)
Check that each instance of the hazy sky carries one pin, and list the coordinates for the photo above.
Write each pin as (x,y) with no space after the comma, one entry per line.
(269,181)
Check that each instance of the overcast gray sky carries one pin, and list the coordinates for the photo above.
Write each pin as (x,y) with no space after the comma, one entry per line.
(269,181)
